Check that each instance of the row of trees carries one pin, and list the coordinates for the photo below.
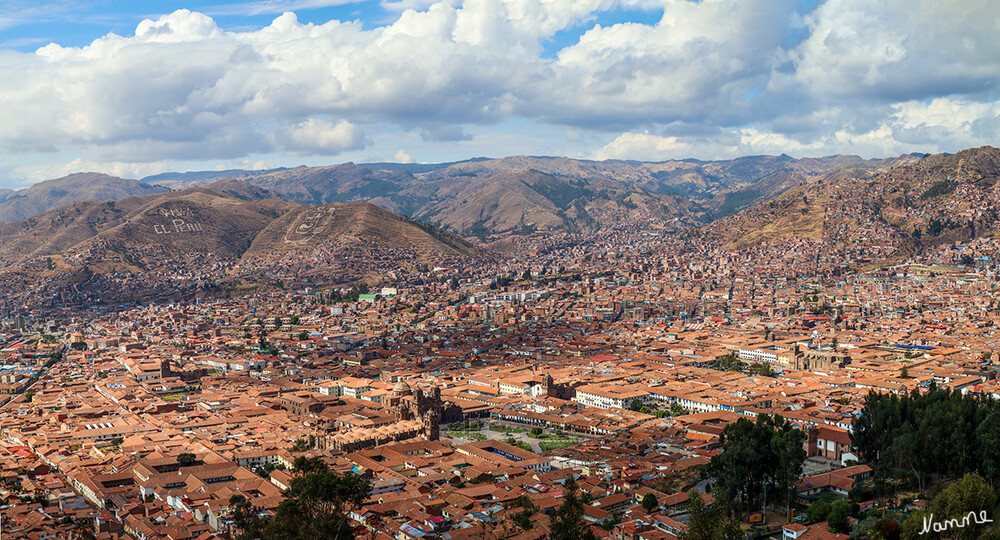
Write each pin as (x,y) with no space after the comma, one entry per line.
(731,362)
(913,439)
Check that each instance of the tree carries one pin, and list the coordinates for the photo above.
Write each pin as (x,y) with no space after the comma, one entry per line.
(987,434)
(837,518)
(756,456)
(972,493)
(818,511)
(525,509)
(306,465)
(317,504)
(246,518)
(892,433)
(303,335)
(787,447)
(729,362)
(567,521)
(185,459)
(649,502)
(708,523)
(536,431)
(762,368)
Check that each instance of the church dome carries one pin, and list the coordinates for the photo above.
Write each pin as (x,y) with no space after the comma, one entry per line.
(401,388)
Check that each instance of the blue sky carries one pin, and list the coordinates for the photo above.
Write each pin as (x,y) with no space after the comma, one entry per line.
(137,88)
(77,23)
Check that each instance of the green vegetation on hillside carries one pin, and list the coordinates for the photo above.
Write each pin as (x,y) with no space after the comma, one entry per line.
(943,187)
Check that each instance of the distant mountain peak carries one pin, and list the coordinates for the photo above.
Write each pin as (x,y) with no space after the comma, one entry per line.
(86,186)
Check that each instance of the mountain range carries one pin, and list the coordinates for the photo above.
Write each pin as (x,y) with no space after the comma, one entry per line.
(33,200)
(342,223)
(910,205)
(491,198)
(913,198)
(136,234)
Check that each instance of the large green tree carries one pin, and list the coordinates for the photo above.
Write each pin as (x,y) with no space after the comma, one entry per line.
(758,459)
(649,502)
(567,522)
(708,523)
(840,510)
(317,505)
(920,437)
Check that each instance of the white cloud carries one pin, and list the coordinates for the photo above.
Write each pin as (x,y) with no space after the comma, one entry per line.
(710,78)
(114,168)
(646,146)
(319,136)
(696,64)
(901,49)
(402,157)
(910,126)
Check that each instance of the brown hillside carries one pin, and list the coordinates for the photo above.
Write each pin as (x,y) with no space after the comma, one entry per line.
(79,187)
(338,224)
(899,211)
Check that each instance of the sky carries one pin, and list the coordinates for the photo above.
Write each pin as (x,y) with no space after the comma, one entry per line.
(138,88)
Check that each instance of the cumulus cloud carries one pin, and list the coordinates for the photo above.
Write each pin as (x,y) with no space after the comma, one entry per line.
(114,168)
(696,64)
(713,78)
(909,126)
(402,157)
(901,49)
(319,136)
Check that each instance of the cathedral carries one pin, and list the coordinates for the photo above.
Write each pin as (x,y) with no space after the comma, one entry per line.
(422,406)
(416,413)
